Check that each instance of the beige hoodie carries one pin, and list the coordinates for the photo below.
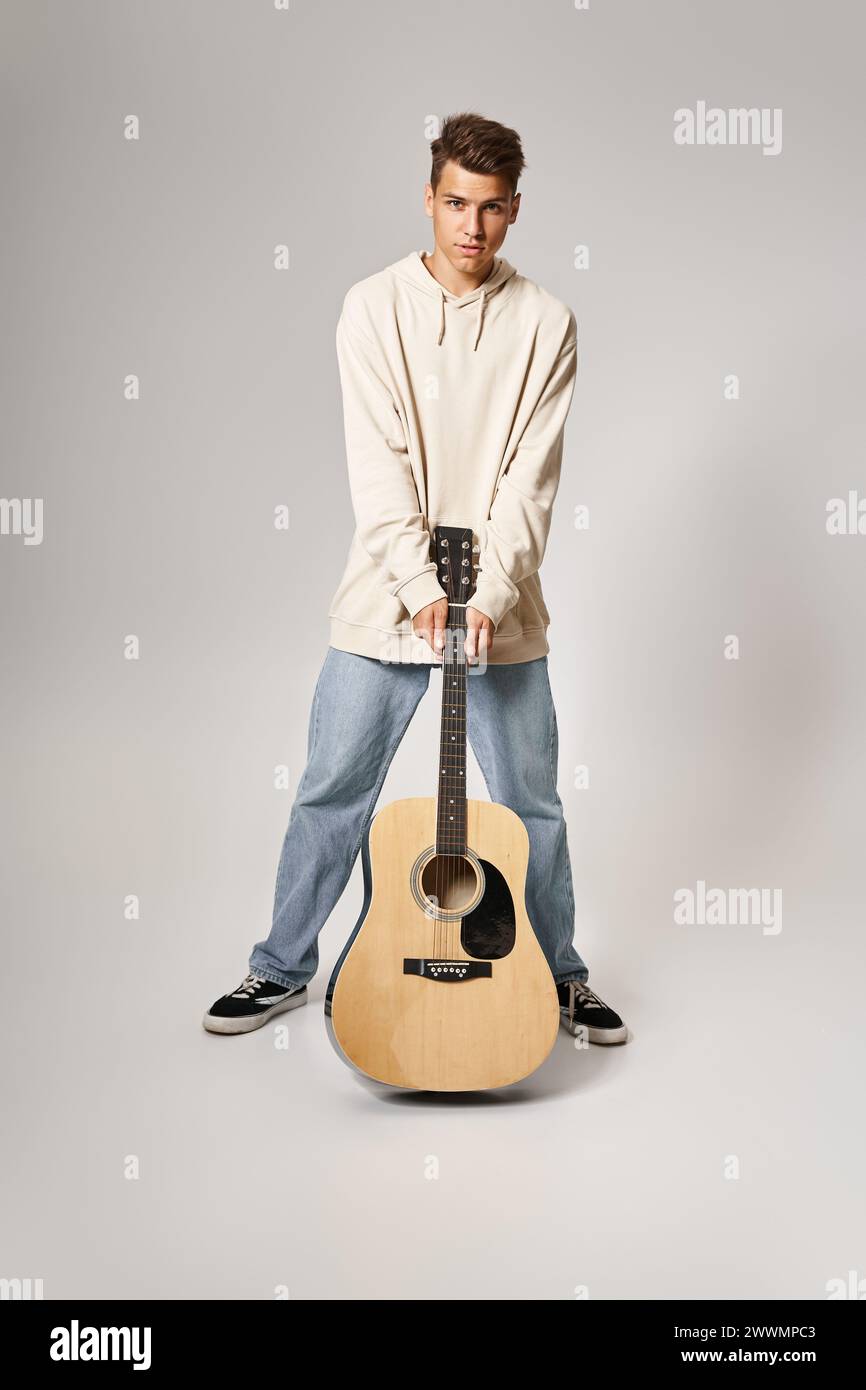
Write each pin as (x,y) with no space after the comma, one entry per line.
(454,409)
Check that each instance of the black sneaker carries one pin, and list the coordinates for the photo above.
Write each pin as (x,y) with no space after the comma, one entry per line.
(251,1005)
(580,1008)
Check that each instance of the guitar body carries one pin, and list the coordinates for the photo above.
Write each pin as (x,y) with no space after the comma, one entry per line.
(443,985)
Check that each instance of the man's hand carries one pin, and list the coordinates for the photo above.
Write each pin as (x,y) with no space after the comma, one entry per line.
(429,623)
(479,632)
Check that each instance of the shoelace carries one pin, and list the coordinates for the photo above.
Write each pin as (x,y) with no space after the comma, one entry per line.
(248,988)
(588,999)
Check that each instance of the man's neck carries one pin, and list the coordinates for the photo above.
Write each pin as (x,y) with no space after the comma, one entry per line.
(456,281)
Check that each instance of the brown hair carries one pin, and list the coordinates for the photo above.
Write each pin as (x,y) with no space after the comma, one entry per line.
(479,145)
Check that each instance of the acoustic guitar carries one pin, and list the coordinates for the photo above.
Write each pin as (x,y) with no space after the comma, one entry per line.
(442,985)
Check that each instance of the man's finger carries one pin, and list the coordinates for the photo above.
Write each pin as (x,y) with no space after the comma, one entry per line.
(479,633)
(440,622)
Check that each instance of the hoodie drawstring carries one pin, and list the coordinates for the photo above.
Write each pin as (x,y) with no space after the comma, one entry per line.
(480,316)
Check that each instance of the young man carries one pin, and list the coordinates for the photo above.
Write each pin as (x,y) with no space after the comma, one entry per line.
(457,376)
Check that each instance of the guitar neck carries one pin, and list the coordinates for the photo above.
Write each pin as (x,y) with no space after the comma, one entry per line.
(452,548)
(451,792)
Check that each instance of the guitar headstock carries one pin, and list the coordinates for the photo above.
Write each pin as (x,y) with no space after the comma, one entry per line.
(454,552)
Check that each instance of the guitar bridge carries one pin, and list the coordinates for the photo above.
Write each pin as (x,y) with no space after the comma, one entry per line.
(449,971)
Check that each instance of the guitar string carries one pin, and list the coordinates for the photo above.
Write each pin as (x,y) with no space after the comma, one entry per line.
(459,677)
(448,677)
(451,776)
(461,714)
(454,668)
(442,870)
(444,776)
(462,698)
(459,866)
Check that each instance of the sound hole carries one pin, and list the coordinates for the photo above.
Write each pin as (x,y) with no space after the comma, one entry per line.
(449,881)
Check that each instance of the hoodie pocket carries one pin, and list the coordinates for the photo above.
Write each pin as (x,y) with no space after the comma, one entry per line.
(530,610)
(362,595)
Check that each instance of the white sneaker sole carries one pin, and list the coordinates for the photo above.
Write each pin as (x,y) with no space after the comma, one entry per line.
(215,1024)
(594,1035)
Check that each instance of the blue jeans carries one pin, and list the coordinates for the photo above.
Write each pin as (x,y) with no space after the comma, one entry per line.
(360,712)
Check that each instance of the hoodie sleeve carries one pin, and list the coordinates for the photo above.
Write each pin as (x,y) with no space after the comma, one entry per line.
(513,540)
(390,525)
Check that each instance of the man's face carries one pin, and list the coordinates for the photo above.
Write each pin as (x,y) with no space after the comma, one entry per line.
(471,214)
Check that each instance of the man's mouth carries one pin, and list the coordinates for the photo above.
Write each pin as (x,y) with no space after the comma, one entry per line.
(465,246)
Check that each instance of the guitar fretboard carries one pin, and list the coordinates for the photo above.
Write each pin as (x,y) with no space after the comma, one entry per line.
(451,799)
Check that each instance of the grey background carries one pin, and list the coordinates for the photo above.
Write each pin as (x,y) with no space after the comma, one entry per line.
(261,1168)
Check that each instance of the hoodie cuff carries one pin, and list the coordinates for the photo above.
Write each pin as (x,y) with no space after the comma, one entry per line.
(493,597)
(416,593)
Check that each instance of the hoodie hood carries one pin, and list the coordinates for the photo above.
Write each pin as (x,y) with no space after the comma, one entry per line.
(412,270)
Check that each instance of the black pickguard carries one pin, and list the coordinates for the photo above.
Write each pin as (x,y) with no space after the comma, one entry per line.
(488,931)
